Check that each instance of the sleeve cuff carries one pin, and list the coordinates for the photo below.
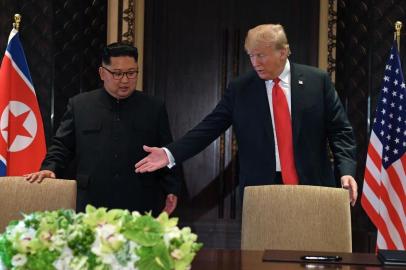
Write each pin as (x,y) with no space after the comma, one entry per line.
(170,157)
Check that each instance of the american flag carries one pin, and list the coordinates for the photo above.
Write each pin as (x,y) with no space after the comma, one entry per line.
(384,191)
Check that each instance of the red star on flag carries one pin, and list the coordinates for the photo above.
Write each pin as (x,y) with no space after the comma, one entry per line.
(17,126)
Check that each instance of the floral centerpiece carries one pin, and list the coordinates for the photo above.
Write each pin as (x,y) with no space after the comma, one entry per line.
(97,239)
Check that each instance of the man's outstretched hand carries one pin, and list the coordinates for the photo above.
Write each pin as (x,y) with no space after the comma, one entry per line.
(156,159)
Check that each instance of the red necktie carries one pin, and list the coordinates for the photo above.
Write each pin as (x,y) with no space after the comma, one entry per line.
(283,129)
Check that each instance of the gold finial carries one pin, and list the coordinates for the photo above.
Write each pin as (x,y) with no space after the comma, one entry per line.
(17,20)
(398,28)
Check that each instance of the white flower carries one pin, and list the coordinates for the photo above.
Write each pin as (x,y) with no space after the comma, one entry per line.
(18,229)
(177,254)
(24,239)
(18,260)
(58,239)
(64,259)
(134,246)
(105,230)
(28,234)
(2,266)
(170,234)
(108,258)
(78,263)
(106,243)
(107,239)
(136,214)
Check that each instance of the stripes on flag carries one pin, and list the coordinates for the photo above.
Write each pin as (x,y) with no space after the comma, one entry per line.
(384,191)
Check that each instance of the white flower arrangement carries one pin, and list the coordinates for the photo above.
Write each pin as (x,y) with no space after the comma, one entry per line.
(97,239)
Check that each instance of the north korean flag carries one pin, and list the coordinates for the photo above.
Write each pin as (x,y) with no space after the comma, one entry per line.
(22,140)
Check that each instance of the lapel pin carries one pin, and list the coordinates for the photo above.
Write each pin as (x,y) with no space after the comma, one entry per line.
(300,82)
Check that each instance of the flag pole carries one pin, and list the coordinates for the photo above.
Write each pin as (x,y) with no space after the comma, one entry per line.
(17,20)
(398,28)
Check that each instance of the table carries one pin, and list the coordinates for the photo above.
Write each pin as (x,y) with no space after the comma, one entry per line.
(220,259)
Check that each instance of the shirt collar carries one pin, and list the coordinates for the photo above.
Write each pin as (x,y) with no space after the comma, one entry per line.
(112,101)
(284,76)
(285,73)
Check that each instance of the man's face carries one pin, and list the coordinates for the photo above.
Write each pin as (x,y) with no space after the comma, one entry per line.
(267,61)
(120,77)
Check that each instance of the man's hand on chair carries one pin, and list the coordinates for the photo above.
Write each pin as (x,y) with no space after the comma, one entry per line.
(348,182)
(39,176)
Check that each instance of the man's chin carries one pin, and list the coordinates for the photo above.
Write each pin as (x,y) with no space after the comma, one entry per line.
(125,93)
(263,76)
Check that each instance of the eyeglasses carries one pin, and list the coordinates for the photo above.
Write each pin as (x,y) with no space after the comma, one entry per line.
(118,75)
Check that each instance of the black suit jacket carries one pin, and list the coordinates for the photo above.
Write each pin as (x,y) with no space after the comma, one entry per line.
(318,117)
(106,136)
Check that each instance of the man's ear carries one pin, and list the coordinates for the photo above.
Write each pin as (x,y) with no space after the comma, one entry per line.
(284,53)
(101,73)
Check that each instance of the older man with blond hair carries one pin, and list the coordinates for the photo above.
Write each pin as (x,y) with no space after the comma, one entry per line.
(284,116)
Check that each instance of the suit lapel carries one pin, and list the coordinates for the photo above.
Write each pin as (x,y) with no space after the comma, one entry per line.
(298,81)
(259,89)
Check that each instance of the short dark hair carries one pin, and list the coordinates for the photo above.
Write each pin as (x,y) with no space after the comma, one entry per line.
(118,49)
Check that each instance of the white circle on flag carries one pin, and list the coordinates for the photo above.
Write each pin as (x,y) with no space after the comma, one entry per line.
(30,124)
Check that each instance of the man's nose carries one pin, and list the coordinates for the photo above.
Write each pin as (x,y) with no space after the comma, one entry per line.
(255,62)
(124,78)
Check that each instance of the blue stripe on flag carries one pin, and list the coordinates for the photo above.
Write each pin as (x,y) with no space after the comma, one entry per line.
(3,168)
(17,54)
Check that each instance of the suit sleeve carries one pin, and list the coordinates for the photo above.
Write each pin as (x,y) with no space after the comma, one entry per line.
(62,149)
(171,178)
(204,133)
(339,132)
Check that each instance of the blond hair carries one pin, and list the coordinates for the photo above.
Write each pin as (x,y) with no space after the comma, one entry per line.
(272,35)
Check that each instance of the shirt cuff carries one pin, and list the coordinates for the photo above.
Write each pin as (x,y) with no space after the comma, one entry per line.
(170,158)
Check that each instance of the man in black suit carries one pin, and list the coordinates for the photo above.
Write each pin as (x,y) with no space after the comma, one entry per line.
(105,130)
(309,106)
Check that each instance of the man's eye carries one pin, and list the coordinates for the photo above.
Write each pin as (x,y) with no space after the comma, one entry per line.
(118,74)
(131,72)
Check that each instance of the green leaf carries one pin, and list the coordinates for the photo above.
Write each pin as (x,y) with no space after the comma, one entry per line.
(146,231)
(154,258)
(94,217)
(81,239)
(6,251)
(185,254)
(167,222)
(42,260)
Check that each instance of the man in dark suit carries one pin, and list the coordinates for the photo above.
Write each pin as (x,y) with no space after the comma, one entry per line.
(105,130)
(284,115)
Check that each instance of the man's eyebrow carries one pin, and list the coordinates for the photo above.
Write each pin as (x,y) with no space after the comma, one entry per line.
(120,70)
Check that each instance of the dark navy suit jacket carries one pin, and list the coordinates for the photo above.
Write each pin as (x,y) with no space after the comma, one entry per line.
(318,118)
